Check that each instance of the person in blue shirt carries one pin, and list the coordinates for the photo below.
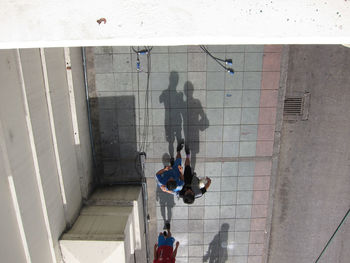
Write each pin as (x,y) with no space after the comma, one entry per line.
(171,179)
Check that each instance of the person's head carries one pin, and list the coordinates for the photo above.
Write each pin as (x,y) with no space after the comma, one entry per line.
(189,89)
(188,197)
(171,184)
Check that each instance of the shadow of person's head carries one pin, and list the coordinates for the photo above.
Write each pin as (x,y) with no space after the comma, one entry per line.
(224,227)
(173,80)
(189,89)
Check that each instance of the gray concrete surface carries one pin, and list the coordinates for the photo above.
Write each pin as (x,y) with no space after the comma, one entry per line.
(312,188)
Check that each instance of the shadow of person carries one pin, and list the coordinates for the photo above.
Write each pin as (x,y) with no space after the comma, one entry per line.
(166,201)
(217,250)
(173,105)
(195,120)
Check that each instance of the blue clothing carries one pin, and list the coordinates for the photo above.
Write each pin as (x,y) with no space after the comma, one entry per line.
(162,241)
(163,178)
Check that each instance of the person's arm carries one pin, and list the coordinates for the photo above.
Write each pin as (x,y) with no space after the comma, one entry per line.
(175,251)
(208,183)
(164,189)
(167,168)
(155,251)
(181,170)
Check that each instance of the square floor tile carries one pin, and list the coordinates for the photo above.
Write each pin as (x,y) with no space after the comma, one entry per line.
(230,149)
(197,62)
(246,168)
(211,212)
(247,149)
(215,116)
(251,98)
(214,133)
(232,116)
(252,80)
(195,238)
(160,63)
(103,50)
(215,80)
(121,62)
(245,183)
(213,169)
(242,237)
(214,149)
(228,183)
(212,198)
(230,169)
(249,132)
(228,198)
(160,49)
(233,98)
(159,81)
(234,82)
(250,115)
(196,212)
(215,99)
(196,225)
(216,48)
(104,63)
(211,226)
(231,132)
(244,197)
(227,211)
(243,211)
(198,80)
(178,62)
(195,251)
(242,224)
(105,82)
(123,81)
(253,61)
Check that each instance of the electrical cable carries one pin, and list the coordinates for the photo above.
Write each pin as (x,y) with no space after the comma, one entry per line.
(218,60)
(330,240)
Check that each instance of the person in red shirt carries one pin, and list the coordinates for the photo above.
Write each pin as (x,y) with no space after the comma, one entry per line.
(163,250)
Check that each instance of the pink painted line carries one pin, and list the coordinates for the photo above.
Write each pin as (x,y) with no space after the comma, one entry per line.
(273,48)
(264,147)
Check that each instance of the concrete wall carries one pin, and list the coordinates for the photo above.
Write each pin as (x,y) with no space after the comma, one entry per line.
(74,23)
(37,146)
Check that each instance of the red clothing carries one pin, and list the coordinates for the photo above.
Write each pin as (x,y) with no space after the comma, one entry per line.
(164,255)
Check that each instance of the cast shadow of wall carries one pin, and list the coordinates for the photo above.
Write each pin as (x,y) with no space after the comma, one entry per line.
(195,121)
(174,106)
(217,250)
(114,135)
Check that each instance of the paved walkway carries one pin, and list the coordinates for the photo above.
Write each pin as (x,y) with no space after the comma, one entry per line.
(229,122)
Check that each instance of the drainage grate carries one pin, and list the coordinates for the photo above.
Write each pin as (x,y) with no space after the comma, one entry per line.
(297,107)
(293,106)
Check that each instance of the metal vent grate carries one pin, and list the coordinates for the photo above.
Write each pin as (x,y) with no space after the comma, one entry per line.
(293,106)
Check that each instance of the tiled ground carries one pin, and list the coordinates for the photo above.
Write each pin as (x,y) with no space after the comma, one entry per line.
(229,122)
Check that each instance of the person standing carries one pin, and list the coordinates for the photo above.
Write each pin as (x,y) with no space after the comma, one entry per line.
(190,191)
(163,250)
(171,179)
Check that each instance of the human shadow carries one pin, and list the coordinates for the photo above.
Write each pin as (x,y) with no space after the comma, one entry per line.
(166,201)
(217,250)
(195,121)
(173,105)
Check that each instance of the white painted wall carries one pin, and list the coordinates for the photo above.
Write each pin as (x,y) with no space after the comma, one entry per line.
(166,22)
(33,213)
